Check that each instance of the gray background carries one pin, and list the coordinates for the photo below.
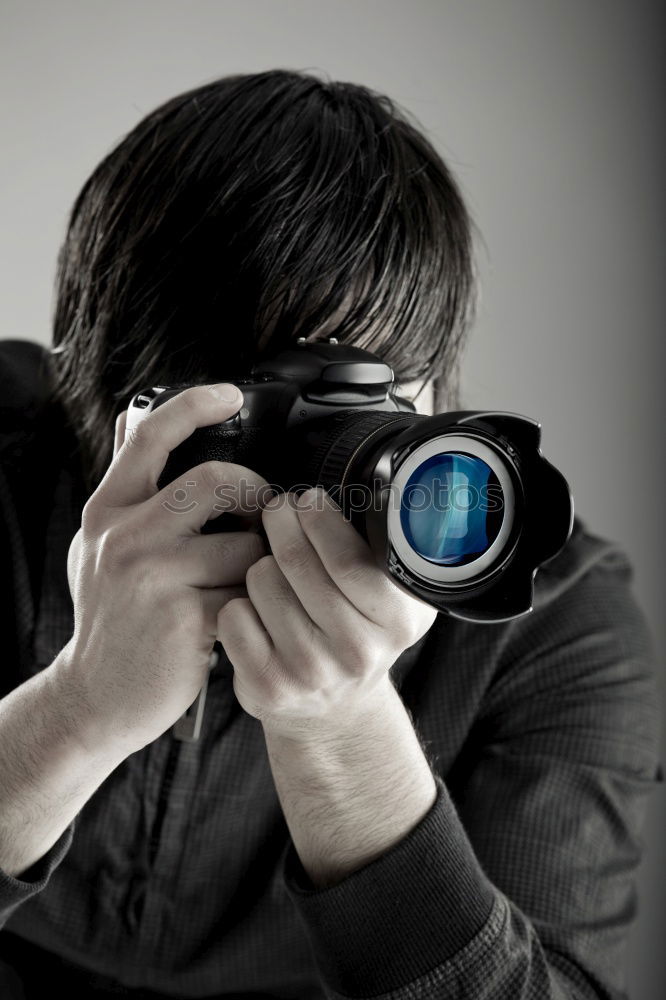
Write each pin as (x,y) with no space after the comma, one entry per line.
(549,114)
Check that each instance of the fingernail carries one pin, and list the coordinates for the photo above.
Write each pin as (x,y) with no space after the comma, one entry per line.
(225,391)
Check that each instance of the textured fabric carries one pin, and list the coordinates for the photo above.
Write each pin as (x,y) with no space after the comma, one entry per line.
(178,877)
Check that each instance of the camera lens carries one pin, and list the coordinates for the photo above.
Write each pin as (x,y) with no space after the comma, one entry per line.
(456,507)
(451,508)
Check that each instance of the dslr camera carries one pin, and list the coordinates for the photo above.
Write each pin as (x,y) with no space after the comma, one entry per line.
(461,509)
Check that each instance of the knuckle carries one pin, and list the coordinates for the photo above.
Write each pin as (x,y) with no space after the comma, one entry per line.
(293,555)
(194,398)
(260,569)
(74,555)
(240,549)
(141,435)
(348,567)
(90,517)
(230,607)
(122,544)
(198,399)
(230,620)
(215,474)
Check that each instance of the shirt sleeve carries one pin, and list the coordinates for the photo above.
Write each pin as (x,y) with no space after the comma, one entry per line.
(524,887)
(15,891)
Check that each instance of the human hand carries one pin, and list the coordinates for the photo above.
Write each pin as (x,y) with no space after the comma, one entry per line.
(146,584)
(322,624)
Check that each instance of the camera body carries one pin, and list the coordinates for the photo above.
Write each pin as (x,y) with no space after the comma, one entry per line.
(324,414)
(283,399)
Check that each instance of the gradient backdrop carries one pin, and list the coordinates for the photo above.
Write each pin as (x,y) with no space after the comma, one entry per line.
(550,114)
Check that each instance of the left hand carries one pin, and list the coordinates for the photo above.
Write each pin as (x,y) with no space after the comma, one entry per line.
(322,624)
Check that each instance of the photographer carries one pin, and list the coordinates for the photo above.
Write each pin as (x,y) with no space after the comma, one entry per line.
(382,800)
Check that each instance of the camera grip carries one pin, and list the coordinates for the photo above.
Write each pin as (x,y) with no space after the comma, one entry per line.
(206,444)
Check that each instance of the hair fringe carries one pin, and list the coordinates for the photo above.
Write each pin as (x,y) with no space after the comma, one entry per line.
(247,212)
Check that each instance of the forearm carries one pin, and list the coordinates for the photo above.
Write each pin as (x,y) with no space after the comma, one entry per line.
(353,789)
(47,773)
(349,795)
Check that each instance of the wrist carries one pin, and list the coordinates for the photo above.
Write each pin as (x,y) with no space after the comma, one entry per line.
(344,720)
(353,788)
(77,718)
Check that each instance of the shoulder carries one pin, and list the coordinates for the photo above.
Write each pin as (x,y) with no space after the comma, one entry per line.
(26,393)
(25,372)
(585,603)
(587,652)
(25,389)
(584,552)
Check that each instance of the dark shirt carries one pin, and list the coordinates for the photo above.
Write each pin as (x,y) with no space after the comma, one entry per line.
(179,878)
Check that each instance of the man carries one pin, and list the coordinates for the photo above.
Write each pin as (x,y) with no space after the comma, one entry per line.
(382,801)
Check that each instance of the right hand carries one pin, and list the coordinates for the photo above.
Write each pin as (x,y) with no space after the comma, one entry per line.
(146,584)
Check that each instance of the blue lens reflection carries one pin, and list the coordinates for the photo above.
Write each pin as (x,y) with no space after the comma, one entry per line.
(451,509)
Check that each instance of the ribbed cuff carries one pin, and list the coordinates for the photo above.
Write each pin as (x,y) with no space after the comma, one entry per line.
(14,891)
(401,915)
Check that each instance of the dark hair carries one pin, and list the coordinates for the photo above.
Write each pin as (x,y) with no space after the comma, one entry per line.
(241,215)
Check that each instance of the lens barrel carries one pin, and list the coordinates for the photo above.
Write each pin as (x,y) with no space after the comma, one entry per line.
(462,507)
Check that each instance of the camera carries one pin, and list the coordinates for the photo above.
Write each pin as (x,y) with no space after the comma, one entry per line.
(461,509)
